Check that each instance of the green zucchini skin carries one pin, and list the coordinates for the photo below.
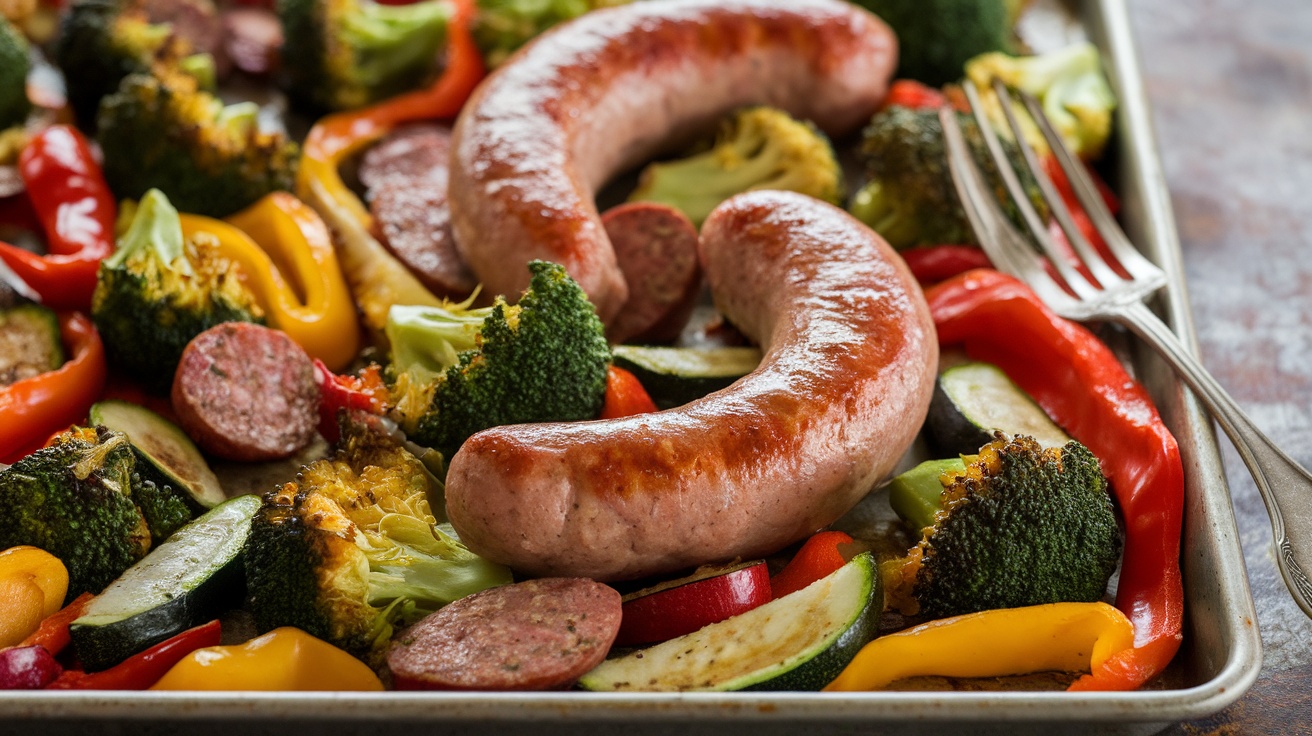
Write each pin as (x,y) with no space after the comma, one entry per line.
(973,400)
(207,557)
(675,376)
(171,458)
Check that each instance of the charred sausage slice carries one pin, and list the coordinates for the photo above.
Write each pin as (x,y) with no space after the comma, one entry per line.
(536,635)
(246,392)
(846,379)
(616,86)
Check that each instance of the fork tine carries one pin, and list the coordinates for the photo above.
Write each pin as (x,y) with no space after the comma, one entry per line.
(1060,260)
(1003,244)
(1090,198)
(1105,276)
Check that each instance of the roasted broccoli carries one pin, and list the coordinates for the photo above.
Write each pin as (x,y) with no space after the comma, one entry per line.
(161,131)
(937,37)
(158,291)
(757,148)
(74,500)
(342,54)
(30,342)
(1069,84)
(462,370)
(351,551)
(14,65)
(1016,525)
(502,26)
(102,41)
(909,197)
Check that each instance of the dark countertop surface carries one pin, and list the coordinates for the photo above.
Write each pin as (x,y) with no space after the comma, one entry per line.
(1230,82)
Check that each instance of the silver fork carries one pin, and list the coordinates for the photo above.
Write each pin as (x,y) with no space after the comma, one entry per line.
(1285,486)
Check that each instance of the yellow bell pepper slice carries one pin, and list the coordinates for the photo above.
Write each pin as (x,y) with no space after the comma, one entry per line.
(33,584)
(1059,637)
(286,253)
(284,659)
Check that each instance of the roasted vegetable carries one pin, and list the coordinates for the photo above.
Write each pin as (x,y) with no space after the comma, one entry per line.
(74,500)
(343,54)
(757,148)
(162,131)
(29,343)
(1015,526)
(157,292)
(502,26)
(460,370)
(909,197)
(937,37)
(14,65)
(351,550)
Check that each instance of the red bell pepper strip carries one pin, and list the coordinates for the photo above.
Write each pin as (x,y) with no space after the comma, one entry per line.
(76,209)
(366,392)
(1080,384)
(817,558)
(33,408)
(625,395)
(931,264)
(140,671)
(53,631)
(914,95)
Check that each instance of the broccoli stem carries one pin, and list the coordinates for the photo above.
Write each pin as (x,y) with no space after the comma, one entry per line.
(392,38)
(917,495)
(155,227)
(431,338)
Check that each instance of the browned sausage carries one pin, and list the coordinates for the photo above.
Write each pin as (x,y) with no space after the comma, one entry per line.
(616,86)
(246,392)
(536,635)
(417,151)
(846,379)
(656,248)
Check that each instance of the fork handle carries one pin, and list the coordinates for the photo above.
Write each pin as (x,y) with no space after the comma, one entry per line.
(1285,485)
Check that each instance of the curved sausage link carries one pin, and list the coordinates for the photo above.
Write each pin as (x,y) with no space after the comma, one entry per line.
(850,356)
(615,87)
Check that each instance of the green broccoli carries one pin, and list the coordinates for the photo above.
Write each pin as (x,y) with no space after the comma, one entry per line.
(157,292)
(909,197)
(937,37)
(352,551)
(757,148)
(1070,86)
(343,54)
(102,41)
(14,66)
(161,131)
(502,26)
(1015,526)
(74,500)
(30,342)
(462,370)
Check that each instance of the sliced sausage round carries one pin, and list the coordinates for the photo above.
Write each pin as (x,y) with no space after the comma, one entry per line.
(414,223)
(656,248)
(537,635)
(421,150)
(246,392)
(252,37)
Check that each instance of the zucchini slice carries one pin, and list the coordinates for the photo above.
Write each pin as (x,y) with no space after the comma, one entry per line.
(973,400)
(30,343)
(675,376)
(165,448)
(798,642)
(182,583)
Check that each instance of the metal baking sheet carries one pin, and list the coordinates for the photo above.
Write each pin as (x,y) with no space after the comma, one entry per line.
(1219,660)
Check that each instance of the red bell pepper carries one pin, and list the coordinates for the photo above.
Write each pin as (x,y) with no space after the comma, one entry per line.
(625,395)
(52,634)
(140,671)
(366,392)
(931,264)
(1081,385)
(33,408)
(76,210)
(914,95)
(817,558)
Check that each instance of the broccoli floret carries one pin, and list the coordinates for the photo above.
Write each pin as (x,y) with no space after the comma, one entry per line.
(102,41)
(30,342)
(1015,526)
(462,370)
(342,54)
(937,37)
(74,500)
(502,26)
(757,148)
(164,507)
(1070,86)
(157,292)
(909,197)
(14,65)
(352,551)
(161,131)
